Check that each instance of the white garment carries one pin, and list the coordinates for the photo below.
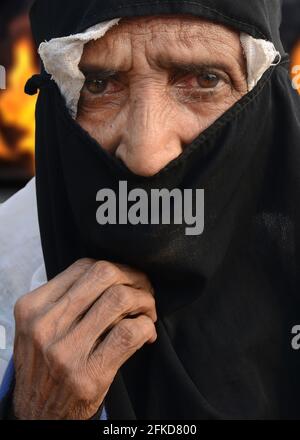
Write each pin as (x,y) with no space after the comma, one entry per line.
(21,261)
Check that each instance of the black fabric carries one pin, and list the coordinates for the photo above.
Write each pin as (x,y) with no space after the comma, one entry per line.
(259,18)
(227,299)
(290,26)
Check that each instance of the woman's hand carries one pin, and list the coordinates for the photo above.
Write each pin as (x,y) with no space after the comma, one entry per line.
(74,333)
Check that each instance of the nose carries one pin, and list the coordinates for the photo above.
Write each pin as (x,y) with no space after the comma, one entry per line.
(150,139)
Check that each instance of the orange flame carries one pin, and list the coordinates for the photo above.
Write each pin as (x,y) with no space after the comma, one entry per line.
(16,108)
(295,66)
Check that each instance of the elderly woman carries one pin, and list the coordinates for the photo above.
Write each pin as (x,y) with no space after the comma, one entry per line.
(139,319)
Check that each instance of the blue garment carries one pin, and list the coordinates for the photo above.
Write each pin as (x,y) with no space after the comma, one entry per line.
(103,415)
(7,381)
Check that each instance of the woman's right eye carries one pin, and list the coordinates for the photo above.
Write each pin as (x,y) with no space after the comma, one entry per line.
(96,86)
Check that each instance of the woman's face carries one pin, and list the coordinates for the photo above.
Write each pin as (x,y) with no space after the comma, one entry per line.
(153,84)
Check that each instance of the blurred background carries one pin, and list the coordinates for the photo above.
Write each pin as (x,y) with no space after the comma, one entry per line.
(18,56)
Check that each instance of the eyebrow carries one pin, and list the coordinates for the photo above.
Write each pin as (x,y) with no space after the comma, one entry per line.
(90,68)
(174,66)
(193,67)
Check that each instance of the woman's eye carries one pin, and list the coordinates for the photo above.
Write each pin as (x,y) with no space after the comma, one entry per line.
(205,81)
(208,80)
(96,86)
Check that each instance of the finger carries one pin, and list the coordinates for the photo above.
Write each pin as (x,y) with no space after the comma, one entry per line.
(115,304)
(37,303)
(139,279)
(63,314)
(87,289)
(128,336)
(59,285)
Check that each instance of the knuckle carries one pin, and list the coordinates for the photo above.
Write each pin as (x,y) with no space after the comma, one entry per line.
(104,270)
(83,264)
(125,333)
(22,308)
(151,302)
(82,388)
(120,297)
(147,327)
(90,391)
(37,334)
(58,361)
(152,307)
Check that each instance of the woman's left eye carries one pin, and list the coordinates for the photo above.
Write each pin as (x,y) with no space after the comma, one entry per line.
(208,80)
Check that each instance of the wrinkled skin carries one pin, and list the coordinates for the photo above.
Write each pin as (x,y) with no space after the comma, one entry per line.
(76,331)
(148,111)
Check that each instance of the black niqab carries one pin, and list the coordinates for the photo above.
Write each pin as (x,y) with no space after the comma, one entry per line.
(227,299)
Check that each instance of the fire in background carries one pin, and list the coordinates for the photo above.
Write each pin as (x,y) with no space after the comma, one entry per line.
(290,33)
(17,127)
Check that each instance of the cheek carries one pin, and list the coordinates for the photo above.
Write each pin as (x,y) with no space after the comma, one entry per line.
(209,112)
(104,126)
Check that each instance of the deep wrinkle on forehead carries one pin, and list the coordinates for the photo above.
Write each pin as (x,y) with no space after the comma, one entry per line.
(160,41)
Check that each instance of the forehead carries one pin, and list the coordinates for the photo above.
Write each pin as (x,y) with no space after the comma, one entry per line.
(182,31)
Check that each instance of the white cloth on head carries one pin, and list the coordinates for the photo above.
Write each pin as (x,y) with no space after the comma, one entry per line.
(260,55)
(61,58)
